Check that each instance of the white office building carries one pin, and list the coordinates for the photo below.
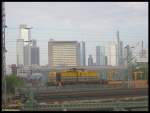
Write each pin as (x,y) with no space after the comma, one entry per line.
(63,53)
(23,47)
(112,56)
(24,33)
(20,51)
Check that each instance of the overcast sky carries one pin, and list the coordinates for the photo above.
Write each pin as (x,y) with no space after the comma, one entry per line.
(94,22)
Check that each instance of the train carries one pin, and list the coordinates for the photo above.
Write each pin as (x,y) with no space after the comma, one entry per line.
(73,76)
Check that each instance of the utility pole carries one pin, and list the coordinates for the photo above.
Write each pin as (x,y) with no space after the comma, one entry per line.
(3,55)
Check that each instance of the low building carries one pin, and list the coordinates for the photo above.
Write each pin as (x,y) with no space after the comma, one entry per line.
(14,69)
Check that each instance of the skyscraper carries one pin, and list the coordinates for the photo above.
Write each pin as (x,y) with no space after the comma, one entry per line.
(63,53)
(100,55)
(20,51)
(23,46)
(127,55)
(82,54)
(121,54)
(35,54)
(90,60)
(119,50)
(27,55)
(25,33)
(112,54)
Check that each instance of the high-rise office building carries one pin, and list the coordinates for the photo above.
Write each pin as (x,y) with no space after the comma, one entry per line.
(20,52)
(106,61)
(115,52)
(27,55)
(90,60)
(63,53)
(25,33)
(112,58)
(100,55)
(121,54)
(127,55)
(23,46)
(119,50)
(35,54)
(82,54)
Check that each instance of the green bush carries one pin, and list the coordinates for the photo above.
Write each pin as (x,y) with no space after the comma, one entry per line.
(12,82)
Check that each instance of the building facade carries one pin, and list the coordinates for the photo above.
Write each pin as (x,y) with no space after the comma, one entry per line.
(127,55)
(82,54)
(27,55)
(119,44)
(20,51)
(115,52)
(24,33)
(121,54)
(14,69)
(119,50)
(112,56)
(63,53)
(23,46)
(100,55)
(90,60)
(35,54)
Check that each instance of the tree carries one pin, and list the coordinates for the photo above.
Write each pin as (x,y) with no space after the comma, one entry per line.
(12,82)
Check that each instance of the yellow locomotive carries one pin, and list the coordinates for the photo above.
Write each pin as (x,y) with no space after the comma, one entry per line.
(73,76)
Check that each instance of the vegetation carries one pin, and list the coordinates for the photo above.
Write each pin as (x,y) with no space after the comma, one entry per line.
(12,82)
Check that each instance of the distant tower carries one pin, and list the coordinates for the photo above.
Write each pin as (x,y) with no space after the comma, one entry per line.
(25,33)
(127,55)
(20,52)
(90,60)
(24,51)
(118,40)
(119,50)
(100,55)
(35,54)
(112,54)
(82,53)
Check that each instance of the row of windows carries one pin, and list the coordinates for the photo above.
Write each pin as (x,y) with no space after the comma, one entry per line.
(64,62)
(64,54)
(64,51)
(62,48)
(72,46)
(62,58)
(58,64)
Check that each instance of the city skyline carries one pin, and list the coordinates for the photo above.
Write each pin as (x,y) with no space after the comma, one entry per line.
(81,21)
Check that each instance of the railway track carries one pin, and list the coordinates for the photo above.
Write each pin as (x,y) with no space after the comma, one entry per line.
(62,96)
